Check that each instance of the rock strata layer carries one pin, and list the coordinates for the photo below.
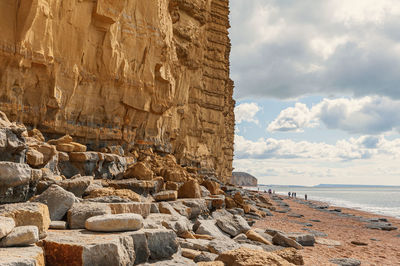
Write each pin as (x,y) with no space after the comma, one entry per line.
(150,73)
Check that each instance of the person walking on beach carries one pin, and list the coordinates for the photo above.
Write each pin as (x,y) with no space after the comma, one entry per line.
(288,194)
(305,196)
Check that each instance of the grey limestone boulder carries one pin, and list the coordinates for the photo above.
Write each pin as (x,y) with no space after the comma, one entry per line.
(115,222)
(284,241)
(17,182)
(6,226)
(80,212)
(233,225)
(209,227)
(21,236)
(58,200)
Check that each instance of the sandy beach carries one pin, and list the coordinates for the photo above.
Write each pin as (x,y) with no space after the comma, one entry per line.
(375,247)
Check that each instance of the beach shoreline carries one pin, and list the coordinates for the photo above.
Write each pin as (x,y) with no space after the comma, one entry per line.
(344,225)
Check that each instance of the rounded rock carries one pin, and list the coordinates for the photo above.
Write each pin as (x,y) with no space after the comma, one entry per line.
(115,222)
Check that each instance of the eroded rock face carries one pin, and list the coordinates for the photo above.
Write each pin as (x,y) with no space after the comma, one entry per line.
(152,73)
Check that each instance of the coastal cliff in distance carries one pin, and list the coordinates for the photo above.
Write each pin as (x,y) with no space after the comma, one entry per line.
(152,73)
(243,179)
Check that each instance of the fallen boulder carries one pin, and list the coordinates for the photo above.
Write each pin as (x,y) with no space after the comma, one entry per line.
(114,222)
(31,255)
(74,247)
(58,200)
(80,212)
(21,236)
(284,241)
(28,213)
(6,226)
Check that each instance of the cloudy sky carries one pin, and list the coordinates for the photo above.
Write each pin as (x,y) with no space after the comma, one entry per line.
(317,90)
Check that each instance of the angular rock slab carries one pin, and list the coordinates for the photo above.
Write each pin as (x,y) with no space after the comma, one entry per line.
(115,222)
(133,207)
(233,225)
(166,195)
(17,182)
(209,227)
(58,200)
(162,243)
(21,236)
(6,226)
(28,213)
(284,241)
(80,212)
(327,242)
(22,256)
(80,247)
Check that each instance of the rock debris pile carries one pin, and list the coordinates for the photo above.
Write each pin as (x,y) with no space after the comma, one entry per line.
(62,204)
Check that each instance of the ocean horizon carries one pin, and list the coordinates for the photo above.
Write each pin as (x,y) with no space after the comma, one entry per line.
(381,200)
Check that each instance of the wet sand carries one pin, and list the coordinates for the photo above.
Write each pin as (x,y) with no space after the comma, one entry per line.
(383,247)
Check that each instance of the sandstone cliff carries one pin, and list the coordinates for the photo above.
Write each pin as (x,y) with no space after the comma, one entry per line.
(132,72)
(243,179)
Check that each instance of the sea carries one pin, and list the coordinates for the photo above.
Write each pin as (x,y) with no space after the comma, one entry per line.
(377,200)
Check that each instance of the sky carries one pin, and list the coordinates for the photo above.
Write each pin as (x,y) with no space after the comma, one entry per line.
(317,90)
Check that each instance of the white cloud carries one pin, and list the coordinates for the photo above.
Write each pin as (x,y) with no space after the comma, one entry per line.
(289,50)
(293,119)
(246,112)
(363,160)
(364,147)
(367,115)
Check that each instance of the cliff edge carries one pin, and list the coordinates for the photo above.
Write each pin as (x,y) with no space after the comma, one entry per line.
(243,179)
(152,73)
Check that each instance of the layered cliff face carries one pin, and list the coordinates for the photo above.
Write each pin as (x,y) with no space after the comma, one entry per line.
(243,179)
(133,72)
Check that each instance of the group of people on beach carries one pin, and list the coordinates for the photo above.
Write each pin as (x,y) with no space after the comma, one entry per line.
(294,195)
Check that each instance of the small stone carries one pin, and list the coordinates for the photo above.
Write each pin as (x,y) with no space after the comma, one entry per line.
(21,236)
(166,195)
(6,226)
(58,225)
(346,262)
(358,243)
(327,242)
(115,222)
